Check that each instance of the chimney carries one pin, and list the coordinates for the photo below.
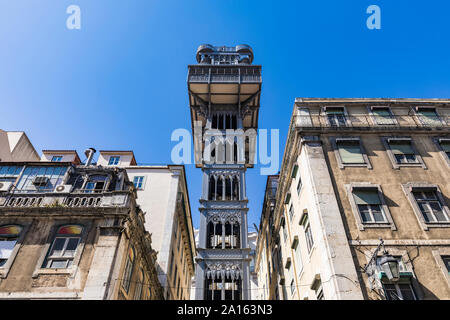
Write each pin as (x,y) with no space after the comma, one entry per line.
(90,155)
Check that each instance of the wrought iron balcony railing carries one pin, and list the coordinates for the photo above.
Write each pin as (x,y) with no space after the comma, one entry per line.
(334,121)
(211,74)
(86,200)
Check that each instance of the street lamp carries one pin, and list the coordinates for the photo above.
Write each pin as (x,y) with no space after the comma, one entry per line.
(389,265)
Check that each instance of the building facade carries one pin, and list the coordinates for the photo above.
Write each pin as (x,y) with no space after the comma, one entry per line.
(15,146)
(355,171)
(224,92)
(162,193)
(70,231)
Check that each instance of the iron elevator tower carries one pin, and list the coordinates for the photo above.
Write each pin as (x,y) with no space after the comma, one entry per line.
(224,96)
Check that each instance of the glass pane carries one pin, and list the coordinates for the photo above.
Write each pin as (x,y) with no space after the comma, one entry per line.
(58,246)
(6,247)
(445,145)
(411,158)
(391,292)
(364,212)
(383,116)
(430,195)
(71,247)
(437,210)
(426,212)
(377,213)
(350,153)
(406,291)
(429,117)
(58,264)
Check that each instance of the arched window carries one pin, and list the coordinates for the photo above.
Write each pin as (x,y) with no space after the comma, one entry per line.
(9,234)
(219,189)
(228,182)
(235,188)
(64,247)
(128,271)
(212,188)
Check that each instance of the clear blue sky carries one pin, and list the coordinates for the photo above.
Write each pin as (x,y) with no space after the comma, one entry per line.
(120,81)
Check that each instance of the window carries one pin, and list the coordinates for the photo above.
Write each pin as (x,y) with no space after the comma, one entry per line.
(298,255)
(383,116)
(139,286)
(291,212)
(56,158)
(446,260)
(400,291)
(294,171)
(138,182)
(128,272)
(443,145)
(9,235)
(428,116)
(304,221)
(10,173)
(336,116)
(299,185)
(95,184)
(64,247)
(292,285)
(369,205)
(41,179)
(113,160)
(319,292)
(430,206)
(349,151)
(402,152)
(283,225)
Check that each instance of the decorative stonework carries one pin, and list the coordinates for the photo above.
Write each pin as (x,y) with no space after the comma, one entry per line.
(224,217)
(224,269)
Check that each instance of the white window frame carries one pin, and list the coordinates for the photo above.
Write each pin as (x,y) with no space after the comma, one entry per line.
(348,123)
(374,116)
(437,141)
(4,270)
(386,143)
(411,187)
(114,161)
(58,158)
(357,140)
(389,222)
(142,187)
(423,123)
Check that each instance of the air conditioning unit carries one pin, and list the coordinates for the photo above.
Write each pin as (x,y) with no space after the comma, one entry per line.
(63,188)
(40,181)
(5,186)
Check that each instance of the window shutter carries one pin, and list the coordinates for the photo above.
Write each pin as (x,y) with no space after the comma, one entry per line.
(445,145)
(294,171)
(366,197)
(402,147)
(350,152)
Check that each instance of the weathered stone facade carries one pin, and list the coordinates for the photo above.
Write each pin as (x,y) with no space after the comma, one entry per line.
(73,232)
(354,171)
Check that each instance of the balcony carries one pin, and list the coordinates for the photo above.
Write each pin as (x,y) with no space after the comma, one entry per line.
(335,122)
(224,74)
(73,200)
